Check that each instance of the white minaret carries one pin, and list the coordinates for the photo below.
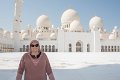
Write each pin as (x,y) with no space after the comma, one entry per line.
(17,24)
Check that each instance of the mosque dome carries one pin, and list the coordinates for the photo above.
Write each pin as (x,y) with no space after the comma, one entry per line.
(96,23)
(25,36)
(115,30)
(115,33)
(39,36)
(53,36)
(43,21)
(76,26)
(69,15)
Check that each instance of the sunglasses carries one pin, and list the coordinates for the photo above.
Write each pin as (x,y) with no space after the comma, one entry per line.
(36,45)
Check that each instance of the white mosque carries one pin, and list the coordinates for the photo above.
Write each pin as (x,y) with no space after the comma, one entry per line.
(70,37)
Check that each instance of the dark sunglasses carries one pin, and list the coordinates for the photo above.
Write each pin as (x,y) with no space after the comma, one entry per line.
(36,45)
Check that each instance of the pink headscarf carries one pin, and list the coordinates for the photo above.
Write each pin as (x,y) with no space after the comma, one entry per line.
(30,51)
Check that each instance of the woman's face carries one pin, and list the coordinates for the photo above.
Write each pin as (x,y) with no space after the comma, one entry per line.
(34,47)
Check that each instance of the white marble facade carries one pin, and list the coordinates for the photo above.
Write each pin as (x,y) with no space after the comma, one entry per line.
(69,37)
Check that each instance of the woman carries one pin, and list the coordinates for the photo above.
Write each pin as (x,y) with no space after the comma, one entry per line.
(35,64)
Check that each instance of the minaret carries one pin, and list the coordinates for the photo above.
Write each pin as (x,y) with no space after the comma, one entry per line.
(17,24)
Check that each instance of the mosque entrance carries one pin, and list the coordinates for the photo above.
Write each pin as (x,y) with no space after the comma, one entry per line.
(79,46)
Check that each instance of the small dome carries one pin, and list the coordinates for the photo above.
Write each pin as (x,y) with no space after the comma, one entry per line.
(53,36)
(69,15)
(96,23)
(25,36)
(39,36)
(115,30)
(43,21)
(76,26)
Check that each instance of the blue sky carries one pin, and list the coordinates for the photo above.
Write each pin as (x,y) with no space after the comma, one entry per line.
(109,10)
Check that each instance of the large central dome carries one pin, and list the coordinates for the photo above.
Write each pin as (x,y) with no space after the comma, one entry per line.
(43,21)
(69,15)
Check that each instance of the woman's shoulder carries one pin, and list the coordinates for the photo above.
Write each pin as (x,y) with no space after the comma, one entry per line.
(45,55)
(26,54)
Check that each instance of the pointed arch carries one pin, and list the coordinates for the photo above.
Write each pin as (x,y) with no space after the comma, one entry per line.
(79,46)
(53,48)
